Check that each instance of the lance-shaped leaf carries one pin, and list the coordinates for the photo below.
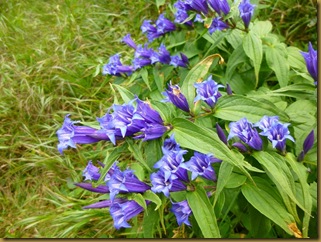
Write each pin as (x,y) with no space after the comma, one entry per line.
(236,107)
(252,46)
(261,198)
(203,212)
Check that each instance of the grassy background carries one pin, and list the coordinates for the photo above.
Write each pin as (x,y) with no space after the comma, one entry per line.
(51,56)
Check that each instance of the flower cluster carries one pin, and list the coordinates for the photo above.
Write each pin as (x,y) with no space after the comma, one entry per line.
(206,90)
(143,56)
(205,9)
(117,182)
(141,121)
(172,174)
(270,126)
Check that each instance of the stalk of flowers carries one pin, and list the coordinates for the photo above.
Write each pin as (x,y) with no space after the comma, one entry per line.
(117,182)
(141,121)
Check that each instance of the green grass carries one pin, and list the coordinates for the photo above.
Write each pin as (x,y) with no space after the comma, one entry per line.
(51,55)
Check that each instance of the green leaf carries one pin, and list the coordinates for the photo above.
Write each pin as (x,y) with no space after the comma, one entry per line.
(300,91)
(295,58)
(235,180)
(235,107)
(151,219)
(196,74)
(110,159)
(237,57)
(137,197)
(144,74)
(138,170)
(262,28)
(153,151)
(266,204)
(252,46)
(160,3)
(280,174)
(165,110)
(151,196)
(203,212)
(235,37)
(126,95)
(277,61)
(136,151)
(300,170)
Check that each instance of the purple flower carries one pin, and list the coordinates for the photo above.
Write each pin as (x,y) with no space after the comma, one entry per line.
(181,13)
(162,56)
(170,145)
(172,162)
(220,6)
(108,127)
(208,91)
(217,24)
(123,119)
(277,134)
(124,211)
(307,145)
(145,112)
(198,18)
(182,212)
(70,135)
(164,25)
(152,131)
(115,67)
(179,60)
(244,130)
(91,172)
(228,89)
(89,187)
(311,60)
(221,133)
(200,165)
(266,122)
(142,56)
(125,182)
(173,94)
(198,5)
(129,41)
(246,12)
(105,203)
(164,182)
(150,30)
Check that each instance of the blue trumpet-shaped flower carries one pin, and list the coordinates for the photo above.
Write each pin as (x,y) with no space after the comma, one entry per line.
(245,132)
(70,134)
(170,144)
(91,172)
(181,13)
(311,60)
(125,182)
(208,91)
(220,6)
(173,94)
(246,12)
(217,25)
(198,5)
(200,165)
(277,134)
(163,181)
(182,211)
(129,41)
(121,212)
(307,145)
(164,25)
(163,56)
(179,60)
(115,67)
(266,122)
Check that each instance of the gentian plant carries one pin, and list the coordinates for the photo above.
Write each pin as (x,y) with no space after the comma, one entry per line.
(211,134)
